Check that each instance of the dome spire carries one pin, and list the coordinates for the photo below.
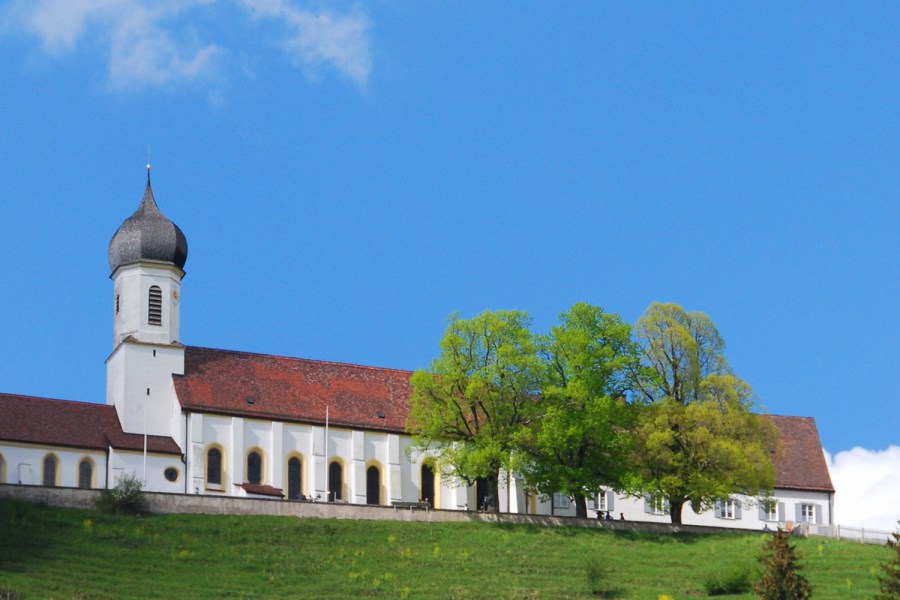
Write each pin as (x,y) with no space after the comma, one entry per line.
(148,236)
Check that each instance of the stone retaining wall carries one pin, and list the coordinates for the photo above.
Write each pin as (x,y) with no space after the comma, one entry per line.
(196,504)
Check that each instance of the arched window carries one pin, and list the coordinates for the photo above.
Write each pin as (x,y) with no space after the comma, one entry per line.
(373,485)
(335,481)
(254,467)
(154,314)
(295,478)
(214,467)
(428,483)
(2,469)
(51,465)
(85,473)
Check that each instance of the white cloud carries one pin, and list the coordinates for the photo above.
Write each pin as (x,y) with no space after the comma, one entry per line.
(323,37)
(151,43)
(867,484)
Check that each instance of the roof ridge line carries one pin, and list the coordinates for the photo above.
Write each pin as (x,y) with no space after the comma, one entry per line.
(308,360)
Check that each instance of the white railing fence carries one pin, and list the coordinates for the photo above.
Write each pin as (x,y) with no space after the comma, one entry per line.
(858,534)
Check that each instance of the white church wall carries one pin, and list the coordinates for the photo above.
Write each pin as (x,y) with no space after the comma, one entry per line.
(139,385)
(153,475)
(24,464)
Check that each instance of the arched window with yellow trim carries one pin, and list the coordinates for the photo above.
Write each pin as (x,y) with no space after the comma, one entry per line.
(427,474)
(2,469)
(86,473)
(51,471)
(373,484)
(295,478)
(335,481)
(215,461)
(255,466)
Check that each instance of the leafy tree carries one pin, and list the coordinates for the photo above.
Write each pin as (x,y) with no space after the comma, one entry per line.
(889,581)
(581,442)
(781,578)
(472,404)
(697,439)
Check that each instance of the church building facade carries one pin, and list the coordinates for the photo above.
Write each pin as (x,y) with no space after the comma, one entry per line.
(191,420)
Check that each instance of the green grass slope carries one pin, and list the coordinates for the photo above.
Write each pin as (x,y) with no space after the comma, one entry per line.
(72,554)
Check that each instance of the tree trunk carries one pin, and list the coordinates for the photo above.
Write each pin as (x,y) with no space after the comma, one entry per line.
(580,506)
(675,507)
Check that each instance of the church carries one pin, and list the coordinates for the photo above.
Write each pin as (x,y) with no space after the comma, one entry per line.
(192,420)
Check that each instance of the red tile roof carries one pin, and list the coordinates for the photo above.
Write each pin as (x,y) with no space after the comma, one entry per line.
(69,424)
(292,389)
(800,463)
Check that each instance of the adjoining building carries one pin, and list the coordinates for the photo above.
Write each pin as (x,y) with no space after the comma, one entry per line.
(192,420)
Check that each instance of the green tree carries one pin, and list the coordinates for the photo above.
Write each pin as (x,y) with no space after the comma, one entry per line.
(471,406)
(889,580)
(582,440)
(697,440)
(781,578)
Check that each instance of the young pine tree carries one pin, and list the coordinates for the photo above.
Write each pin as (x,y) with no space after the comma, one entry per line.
(889,581)
(781,578)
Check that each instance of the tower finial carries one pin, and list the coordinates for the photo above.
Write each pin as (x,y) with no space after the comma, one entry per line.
(148,164)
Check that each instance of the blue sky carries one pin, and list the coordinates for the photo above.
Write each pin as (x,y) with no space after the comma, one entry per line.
(348,175)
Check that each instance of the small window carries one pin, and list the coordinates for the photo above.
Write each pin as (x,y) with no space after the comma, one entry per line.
(560,500)
(254,467)
(2,470)
(117,304)
(154,316)
(808,513)
(171,474)
(601,501)
(51,466)
(214,467)
(656,505)
(85,473)
(728,509)
(769,510)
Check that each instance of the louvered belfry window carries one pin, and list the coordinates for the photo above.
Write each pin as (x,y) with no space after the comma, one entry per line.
(154,315)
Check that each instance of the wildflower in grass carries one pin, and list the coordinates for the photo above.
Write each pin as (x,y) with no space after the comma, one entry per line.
(436,551)
(392,539)
(88,524)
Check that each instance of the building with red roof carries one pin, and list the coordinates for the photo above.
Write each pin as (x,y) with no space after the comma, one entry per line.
(195,420)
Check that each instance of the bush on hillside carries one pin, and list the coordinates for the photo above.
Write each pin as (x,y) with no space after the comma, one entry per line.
(781,578)
(125,498)
(889,581)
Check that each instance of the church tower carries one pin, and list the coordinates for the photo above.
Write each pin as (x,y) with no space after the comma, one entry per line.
(146,258)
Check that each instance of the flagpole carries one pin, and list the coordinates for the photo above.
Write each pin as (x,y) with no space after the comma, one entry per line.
(327,466)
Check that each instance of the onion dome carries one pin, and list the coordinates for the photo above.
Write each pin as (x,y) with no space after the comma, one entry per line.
(148,235)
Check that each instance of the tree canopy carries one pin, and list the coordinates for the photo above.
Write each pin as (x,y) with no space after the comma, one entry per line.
(471,406)
(582,441)
(697,440)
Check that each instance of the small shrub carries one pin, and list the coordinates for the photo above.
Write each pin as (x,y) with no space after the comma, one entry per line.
(889,581)
(781,578)
(597,573)
(125,498)
(732,581)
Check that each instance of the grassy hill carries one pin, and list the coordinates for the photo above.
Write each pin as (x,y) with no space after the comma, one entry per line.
(72,554)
